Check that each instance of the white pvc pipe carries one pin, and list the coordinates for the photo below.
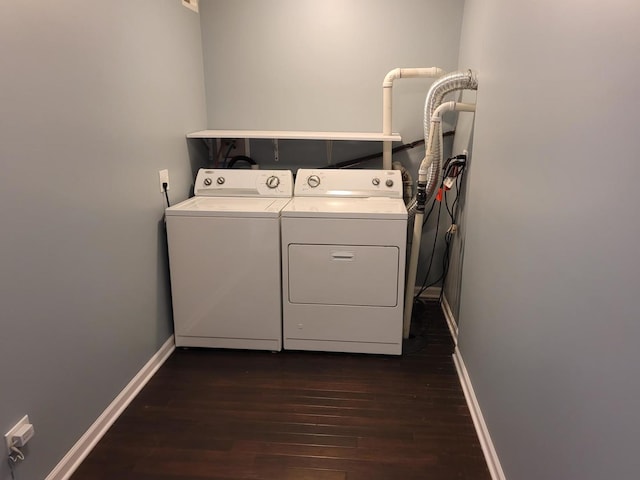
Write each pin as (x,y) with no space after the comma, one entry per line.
(387,99)
(386,109)
(411,73)
(386,124)
(412,272)
(412,269)
(450,106)
(436,124)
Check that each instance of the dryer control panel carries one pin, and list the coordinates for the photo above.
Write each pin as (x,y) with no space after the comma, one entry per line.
(243,183)
(348,183)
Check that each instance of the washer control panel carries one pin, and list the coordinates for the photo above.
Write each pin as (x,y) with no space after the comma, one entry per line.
(348,183)
(246,183)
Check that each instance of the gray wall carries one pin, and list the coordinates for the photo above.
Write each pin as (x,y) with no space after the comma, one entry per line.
(549,314)
(95,98)
(319,65)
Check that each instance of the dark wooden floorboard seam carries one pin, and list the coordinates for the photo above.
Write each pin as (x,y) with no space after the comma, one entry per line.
(229,415)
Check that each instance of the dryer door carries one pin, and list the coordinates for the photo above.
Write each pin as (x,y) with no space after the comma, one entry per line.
(343,275)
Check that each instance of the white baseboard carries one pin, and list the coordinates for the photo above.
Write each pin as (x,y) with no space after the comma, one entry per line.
(431,293)
(451,320)
(83,447)
(488,449)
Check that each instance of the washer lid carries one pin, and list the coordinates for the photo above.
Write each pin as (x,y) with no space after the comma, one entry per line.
(356,208)
(228,207)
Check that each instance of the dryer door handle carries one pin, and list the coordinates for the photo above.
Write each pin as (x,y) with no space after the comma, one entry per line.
(343,255)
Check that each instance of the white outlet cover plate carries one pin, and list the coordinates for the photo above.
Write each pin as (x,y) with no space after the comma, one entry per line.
(192,4)
(164,178)
(9,434)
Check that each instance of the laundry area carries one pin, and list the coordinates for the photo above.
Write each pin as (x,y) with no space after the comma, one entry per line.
(319,239)
(340,281)
(343,231)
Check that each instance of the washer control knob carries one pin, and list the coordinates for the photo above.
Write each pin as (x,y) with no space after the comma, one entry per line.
(220,180)
(313,181)
(375,181)
(389,183)
(273,181)
(207,182)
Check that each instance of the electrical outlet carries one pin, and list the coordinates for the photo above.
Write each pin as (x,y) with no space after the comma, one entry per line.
(15,430)
(191,4)
(164,178)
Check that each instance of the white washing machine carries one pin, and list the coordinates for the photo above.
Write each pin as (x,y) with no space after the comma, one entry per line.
(224,256)
(343,259)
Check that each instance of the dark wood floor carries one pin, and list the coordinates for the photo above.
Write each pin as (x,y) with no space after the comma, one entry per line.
(224,414)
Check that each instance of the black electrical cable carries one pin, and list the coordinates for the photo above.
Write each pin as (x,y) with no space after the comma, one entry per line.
(448,236)
(165,186)
(446,202)
(433,250)
(15,456)
(452,211)
(454,205)
(442,276)
(446,259)
(226,155)
(241,158)
(11,469)
(426,218)
(456,201)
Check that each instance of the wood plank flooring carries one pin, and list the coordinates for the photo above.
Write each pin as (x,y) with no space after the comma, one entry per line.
(228,414)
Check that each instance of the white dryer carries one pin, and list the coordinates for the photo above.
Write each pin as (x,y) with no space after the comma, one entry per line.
(343,259)
(224,256)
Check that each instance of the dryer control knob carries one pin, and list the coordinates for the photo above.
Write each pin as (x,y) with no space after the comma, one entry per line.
(273,181)
(313,181)
(389,183)
(207,182)
(376,181)
(220,180)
